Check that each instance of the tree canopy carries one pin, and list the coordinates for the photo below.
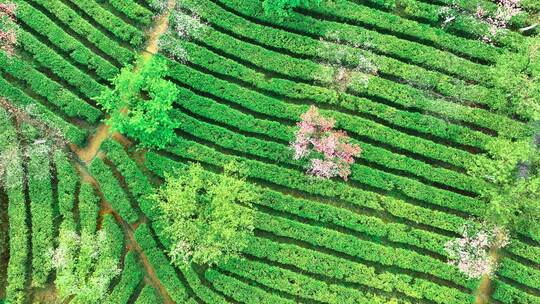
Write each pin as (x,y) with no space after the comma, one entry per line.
(208,217)
(282,8)
(141,102)
(514,169)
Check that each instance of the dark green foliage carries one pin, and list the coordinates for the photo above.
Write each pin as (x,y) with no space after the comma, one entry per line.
(111,22)
(86,263)
(75,22)
(131,276)
(113,192)
(41,204)
(13,184)
(64,99)
(164,270)
(208,219)
(88,208)
(148,296)
(67,182)
(281,8)
(133,10)
(80,53)
(146,119)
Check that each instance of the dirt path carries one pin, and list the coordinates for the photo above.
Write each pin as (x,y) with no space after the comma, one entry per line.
(94,142)
(91,150)
(484,288)
(130,237)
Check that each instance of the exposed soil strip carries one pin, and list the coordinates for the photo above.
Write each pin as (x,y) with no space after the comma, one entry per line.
(88,153)
(130,237)
(484,288)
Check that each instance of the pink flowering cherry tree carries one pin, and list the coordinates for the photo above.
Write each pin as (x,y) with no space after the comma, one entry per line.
(329,151)
(472,253)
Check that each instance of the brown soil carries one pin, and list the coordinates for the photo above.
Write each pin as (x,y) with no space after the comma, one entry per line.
(484,288)
(45,295)
(160,27)
(88,153)
(106,208)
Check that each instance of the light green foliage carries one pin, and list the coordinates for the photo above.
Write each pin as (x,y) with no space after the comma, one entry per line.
(519,75)
(139,106)
(281,8)
(85,266)
(515,200)
(208,218)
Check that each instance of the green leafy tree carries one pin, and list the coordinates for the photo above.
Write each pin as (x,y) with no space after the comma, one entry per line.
(281,8)
(208,217)
(141,102)
(514,170)
(84,266)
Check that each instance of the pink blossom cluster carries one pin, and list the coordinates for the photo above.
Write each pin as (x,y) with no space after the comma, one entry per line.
(471,253)
(8,37)
(316,134)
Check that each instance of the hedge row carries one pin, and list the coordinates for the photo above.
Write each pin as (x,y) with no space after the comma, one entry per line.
(206,294)
(463,24)
(526,275)
(115,25)
(88,208)
(326,189)
(115,235)
(511,295)
(336,187)
(301,287)
(524,250)
(131,277)
(282,154)
(406,260)
(407,51)
(420,32)
(164,270)
(327,215)
(158,164)
(242,292)
(41,207)
(76,50)
(140,187)
(326,265)
(80,26)
(148,296)
(352,124)
(413,121)
(36,110)
(224,114)
(59,66)
(113,192)
(302,46)
(400,95)
(57,95)
(137,183)
(67,181)
(374,227)
(13,184)
(133,11)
